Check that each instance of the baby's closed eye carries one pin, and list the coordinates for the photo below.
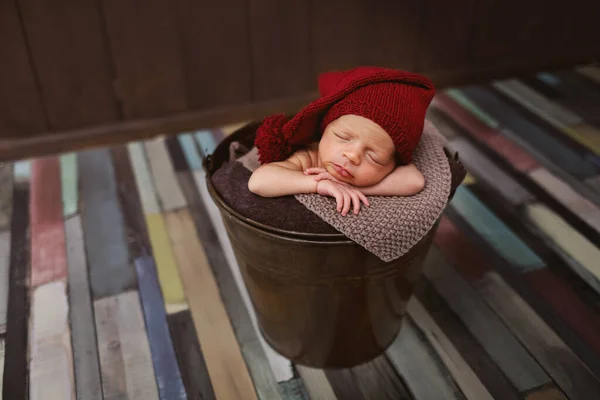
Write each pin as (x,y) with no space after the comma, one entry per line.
(374,158)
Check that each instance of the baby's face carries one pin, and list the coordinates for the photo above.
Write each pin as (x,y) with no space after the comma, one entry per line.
(357,151)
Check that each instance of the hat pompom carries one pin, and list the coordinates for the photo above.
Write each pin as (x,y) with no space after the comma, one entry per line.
(272,144)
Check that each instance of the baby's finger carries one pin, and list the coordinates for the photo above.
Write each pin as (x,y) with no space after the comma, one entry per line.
(362,196)
(321,176)
(339,199)
(355,201)
(347,203)
(314,170)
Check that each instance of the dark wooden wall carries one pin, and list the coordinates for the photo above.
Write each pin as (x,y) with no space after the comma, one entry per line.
(91,71)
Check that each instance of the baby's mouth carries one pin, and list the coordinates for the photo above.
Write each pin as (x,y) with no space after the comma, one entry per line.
(342,171)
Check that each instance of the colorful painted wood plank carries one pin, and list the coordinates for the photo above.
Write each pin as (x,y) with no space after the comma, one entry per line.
(483,168)
(140,247)
(206,141)
(572,92)
(378,379)
(168,273)
(188,145)
(461,111)
(293,390)
(176,154)
(461,98)
(567,305)
(477,110)
(163,174)
(317,385)
(542,87)
(344,384)
(546,393)
(419,365)
(22,172)
(551,147)
(69,184)
(512,152)
(6,192)
(540,243)
(375,379)
(556,171)
(443,124)
(252,344)
(103,226)
(559,361)
(51,360)
(483,133)
(553,113)
(125,360)
(214,237)
(535,102)
(224,360)
(594,183)
(471,264)
(189,356)
(492,378)
(143,179)
(513,275)
(147,233)
(510,356)
(590,71)
(168,377)
(579,205)
(81,315)
(15,379)
(130,205)
(468,180)
(494,231)
(48,258)
(465,378)
(589,136)
(545,185)
(281,366)
(573,243)
(4,280)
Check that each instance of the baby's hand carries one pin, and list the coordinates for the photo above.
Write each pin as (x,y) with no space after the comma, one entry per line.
(345,195)
(321,173)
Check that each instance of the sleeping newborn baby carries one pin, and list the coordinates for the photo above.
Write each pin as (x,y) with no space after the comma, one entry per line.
(355,157)
(356,140)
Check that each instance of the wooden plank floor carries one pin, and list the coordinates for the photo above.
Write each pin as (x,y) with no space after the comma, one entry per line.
(118,280)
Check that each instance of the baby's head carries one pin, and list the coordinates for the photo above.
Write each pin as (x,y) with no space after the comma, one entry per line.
(357,151)
(375,115)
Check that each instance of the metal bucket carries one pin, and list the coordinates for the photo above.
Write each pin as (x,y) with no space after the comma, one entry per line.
(321,299)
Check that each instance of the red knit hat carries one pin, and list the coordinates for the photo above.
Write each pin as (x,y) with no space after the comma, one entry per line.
(395,100)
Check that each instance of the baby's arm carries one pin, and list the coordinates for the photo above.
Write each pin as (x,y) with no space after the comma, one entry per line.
(405,180)
(287,177)
(283,178)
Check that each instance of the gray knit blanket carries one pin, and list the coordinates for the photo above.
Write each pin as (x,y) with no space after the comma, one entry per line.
(392,225)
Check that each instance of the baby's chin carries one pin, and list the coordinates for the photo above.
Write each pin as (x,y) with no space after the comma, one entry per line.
(360,181)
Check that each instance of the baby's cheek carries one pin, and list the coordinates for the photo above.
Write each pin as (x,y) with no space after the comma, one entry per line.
(368,177)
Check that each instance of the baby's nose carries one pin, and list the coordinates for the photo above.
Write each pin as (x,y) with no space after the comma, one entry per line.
(353,157)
